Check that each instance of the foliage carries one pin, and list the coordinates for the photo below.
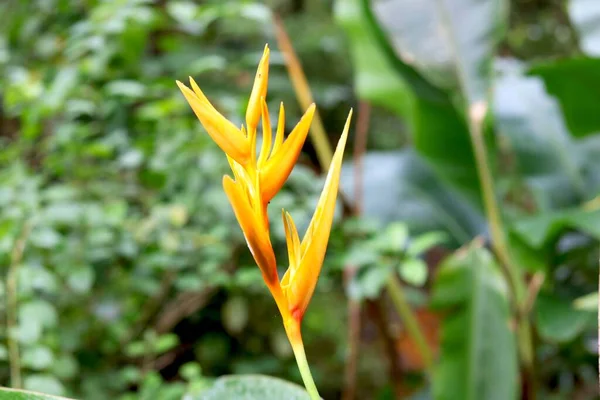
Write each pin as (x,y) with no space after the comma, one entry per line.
(134,281)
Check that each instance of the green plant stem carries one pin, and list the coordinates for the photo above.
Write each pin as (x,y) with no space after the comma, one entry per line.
(410,322)
(14,358)
(477,112)
(307,378)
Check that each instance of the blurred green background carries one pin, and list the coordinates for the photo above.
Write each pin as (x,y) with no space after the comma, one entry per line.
(131,276)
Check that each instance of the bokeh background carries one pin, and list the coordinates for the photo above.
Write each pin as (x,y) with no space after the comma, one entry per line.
(125,273)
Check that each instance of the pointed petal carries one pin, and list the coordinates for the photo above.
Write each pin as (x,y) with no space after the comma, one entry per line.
(256,236)
(292,241)
(280,129)
(280,165)
(259,90)
(267,134)
(315,241)
(223,132)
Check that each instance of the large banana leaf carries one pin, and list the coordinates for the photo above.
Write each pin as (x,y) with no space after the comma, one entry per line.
(439,131)
(478,352)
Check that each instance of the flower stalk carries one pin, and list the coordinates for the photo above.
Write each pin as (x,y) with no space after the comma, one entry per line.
(256,180)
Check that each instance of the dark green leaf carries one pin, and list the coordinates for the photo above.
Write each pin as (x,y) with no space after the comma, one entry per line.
(573,83)
(558,321)
(475,330)
(540,230)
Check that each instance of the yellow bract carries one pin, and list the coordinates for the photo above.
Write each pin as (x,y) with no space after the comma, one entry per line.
(257,180)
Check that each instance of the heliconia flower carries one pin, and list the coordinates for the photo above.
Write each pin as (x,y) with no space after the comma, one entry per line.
(226,135)
(256,181)
(306,257)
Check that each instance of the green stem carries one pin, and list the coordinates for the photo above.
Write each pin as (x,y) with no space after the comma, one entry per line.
(307,378)
(477,112)
(410,322)
(12,306)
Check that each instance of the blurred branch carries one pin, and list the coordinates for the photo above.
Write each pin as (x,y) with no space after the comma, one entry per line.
(396,292)
(16,257)
(360,147)
(378,311)
(532,291)
(318,135)
(354,306)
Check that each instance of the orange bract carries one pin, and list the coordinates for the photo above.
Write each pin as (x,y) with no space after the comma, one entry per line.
(257,180)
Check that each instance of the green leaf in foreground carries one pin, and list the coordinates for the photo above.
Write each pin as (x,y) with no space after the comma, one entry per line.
(254,387)
(12,394)
(479,353)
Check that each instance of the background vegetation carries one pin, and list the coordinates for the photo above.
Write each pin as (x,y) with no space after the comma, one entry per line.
(126,275)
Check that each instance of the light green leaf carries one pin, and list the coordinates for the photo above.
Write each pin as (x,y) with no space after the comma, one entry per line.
(424,242)
(589,302)
(253,387)
(585,16)
(438,130)
(475,330)
(533,133)
(452,42)
(44,383)
(13,394)
(413,271)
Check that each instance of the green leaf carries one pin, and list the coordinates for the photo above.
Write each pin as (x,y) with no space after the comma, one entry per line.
(475,330)
(452,42)
(424,242)
(534,135)
(588,302)
(438,130)
(402,187)
(413,271)
(44,383)
(572,82)
(585,16)
(558,321)
(539,231)
(369,282)
(253,387)
(13,394)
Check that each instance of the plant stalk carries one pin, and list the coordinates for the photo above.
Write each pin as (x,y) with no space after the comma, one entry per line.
(292,328)
(477,112)
(14,358)
(410,322)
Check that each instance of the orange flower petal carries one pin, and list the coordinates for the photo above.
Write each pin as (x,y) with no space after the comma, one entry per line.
(257,237)
(259,90)
(267,134)
(230,139)
(278,168)
(314,245)
(280,129)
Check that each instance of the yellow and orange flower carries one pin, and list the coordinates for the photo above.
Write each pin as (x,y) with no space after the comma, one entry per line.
(257,180)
